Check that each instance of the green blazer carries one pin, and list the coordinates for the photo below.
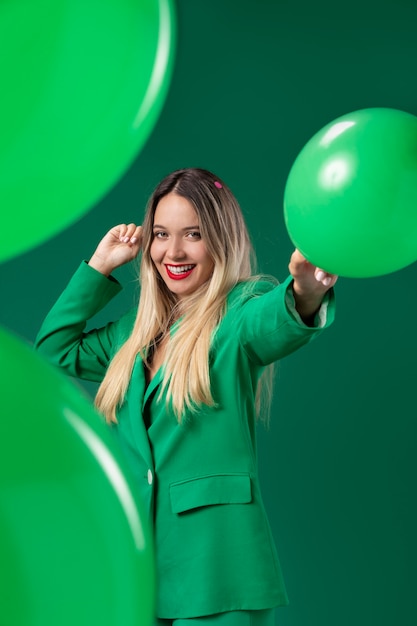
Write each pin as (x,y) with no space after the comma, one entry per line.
(198,480)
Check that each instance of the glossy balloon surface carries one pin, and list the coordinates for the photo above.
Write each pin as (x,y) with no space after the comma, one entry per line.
(350,202)
(82,85)
(75,548)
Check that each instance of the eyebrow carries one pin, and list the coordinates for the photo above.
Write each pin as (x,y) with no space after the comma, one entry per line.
(183,229)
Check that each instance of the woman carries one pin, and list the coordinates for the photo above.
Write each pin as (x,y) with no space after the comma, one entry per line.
(180,382)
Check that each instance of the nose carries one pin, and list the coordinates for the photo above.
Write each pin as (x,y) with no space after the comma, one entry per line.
(175,249)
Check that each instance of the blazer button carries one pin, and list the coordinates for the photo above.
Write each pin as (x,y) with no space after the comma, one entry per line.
(150,477)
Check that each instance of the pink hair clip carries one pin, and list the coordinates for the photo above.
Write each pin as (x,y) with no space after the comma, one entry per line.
(218,185)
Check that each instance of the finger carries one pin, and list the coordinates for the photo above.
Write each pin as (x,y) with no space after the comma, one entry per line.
(300,260)
(122,231)
(324,277)
(298,264)
(299,256)
(131,236)
(137,235)
(130,230)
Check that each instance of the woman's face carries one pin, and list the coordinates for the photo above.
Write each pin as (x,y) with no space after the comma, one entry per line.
(177,250)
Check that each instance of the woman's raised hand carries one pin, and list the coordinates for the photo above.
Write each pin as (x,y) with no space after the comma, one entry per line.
(309,286)
(119,246)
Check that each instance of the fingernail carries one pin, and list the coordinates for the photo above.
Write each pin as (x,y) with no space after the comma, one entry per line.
(319,276)
(327,281)
(133,240)
(125,239)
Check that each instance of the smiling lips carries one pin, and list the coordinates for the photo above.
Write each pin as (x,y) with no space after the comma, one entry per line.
(178,272)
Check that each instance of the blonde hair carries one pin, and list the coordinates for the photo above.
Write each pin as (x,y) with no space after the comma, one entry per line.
(186,377)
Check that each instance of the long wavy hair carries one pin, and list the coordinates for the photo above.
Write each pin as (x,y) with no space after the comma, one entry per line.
(186,376)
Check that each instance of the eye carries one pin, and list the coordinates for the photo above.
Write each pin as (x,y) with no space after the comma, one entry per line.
(160,234)
(194,234)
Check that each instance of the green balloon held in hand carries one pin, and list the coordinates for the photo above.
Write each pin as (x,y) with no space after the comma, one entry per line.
(350,202)
(82,85)
(75,547)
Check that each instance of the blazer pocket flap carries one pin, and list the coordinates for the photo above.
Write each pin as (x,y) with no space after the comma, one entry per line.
(210,490)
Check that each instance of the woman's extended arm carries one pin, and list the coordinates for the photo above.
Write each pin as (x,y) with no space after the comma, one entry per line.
(309,286)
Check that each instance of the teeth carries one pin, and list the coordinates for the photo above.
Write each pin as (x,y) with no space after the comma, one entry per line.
(175,269)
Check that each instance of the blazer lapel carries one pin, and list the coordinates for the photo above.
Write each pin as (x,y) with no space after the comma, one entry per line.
(155,382)
(136,401)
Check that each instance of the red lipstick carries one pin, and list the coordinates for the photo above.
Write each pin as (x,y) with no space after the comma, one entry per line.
(180,275)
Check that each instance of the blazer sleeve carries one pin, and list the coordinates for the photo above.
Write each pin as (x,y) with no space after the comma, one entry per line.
(62,338)
(271,328)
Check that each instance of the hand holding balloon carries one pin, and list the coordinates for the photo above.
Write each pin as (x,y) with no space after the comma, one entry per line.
(350,202)
(309,286)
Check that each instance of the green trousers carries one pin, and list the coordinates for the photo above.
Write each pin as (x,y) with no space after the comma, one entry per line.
(232,618)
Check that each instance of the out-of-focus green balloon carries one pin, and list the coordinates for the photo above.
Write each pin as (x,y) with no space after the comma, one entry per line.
(350,202)
(75,548)
(82,85)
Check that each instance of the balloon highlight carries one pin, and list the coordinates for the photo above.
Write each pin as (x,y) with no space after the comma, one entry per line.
(350,201)
(83,84)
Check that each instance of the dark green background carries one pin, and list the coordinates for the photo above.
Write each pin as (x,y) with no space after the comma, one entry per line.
(253,82)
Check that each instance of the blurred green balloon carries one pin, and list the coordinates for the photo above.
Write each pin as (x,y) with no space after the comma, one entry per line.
(75,548)
(350,201)
(82,84)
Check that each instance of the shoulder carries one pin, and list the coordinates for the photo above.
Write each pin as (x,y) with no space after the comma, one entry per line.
(249,289)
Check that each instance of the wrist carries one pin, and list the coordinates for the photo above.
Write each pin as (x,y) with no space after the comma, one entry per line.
(100,265)
(307,304)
